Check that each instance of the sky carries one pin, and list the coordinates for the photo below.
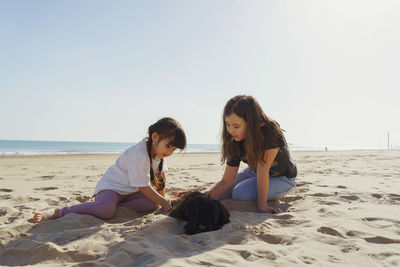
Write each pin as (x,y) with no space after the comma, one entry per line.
(327,71)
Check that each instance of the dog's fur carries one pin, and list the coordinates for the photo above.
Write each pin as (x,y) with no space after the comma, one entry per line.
(201,213)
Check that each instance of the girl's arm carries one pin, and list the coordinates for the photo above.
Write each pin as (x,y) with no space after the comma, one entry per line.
(224,184)
(263,181)
(154,196)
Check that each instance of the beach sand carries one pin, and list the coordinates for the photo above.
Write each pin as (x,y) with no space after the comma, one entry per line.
(344,212)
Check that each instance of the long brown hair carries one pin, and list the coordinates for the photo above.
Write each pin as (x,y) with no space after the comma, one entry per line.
(258,123)
(166,128)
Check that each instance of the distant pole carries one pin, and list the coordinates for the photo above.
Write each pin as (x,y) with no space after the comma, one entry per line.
(388,141)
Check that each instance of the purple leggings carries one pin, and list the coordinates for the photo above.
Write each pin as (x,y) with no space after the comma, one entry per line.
(105,204)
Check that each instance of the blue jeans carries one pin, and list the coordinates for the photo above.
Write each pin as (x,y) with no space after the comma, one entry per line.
(245,187)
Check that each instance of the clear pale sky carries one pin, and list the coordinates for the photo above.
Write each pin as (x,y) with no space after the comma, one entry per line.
(327,71)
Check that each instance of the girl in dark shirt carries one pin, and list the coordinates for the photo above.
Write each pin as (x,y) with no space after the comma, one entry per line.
(251,136)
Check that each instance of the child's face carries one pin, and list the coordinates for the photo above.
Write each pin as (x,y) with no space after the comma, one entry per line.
(236,127)
(162,148)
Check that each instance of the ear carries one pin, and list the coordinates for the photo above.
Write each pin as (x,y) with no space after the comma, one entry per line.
(154,137)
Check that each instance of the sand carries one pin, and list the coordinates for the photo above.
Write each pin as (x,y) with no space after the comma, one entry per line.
(344,212)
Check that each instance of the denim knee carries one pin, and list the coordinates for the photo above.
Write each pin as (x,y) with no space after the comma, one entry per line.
(241,195)
(281,188)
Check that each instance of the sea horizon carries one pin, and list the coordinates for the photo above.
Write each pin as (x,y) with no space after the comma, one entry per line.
(41,147)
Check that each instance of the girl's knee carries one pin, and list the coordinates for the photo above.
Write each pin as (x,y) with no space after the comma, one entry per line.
(140,205)
(245,190)
(278,195)
(237,196)
(241,195)
(107,212)
(147,207)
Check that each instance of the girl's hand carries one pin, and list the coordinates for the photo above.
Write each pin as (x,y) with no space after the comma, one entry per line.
(266,209)
(167,205)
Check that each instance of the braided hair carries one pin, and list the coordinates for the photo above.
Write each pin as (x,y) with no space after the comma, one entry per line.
(166,128)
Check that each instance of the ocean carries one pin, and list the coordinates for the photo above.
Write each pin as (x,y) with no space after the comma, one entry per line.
(18,147)
(21,148)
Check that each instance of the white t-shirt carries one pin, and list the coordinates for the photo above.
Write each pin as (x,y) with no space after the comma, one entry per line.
(130,171)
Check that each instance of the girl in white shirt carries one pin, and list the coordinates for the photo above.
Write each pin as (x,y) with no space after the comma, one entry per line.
(137,178)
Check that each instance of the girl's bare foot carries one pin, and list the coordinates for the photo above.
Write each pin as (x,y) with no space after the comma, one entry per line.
(45,216)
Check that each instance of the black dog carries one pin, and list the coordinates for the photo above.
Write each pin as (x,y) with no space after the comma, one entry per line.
(201,213)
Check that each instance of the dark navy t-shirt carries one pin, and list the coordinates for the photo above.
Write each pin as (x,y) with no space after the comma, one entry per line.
(282,165)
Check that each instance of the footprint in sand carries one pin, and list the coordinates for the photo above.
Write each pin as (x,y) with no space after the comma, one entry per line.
(307,260)
(23,199)
(270,239)
(248,256)
(46,177)
(236,240)
(266,255)
(5,197)
(329,231)
(291,199)
(3,211)
(334,259)
(328,203)
(83,198)
(349,248)
(275,239)
(375,239)
(394,197)
(46,188)
(287,223)
(320,195)
(381,222)
(43,177)
(11,219)
(62,199)
(384,255)
(323,210)
(283,217)
(381,240)
(6,190)
(355,233)
(351,197)
(299,184)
